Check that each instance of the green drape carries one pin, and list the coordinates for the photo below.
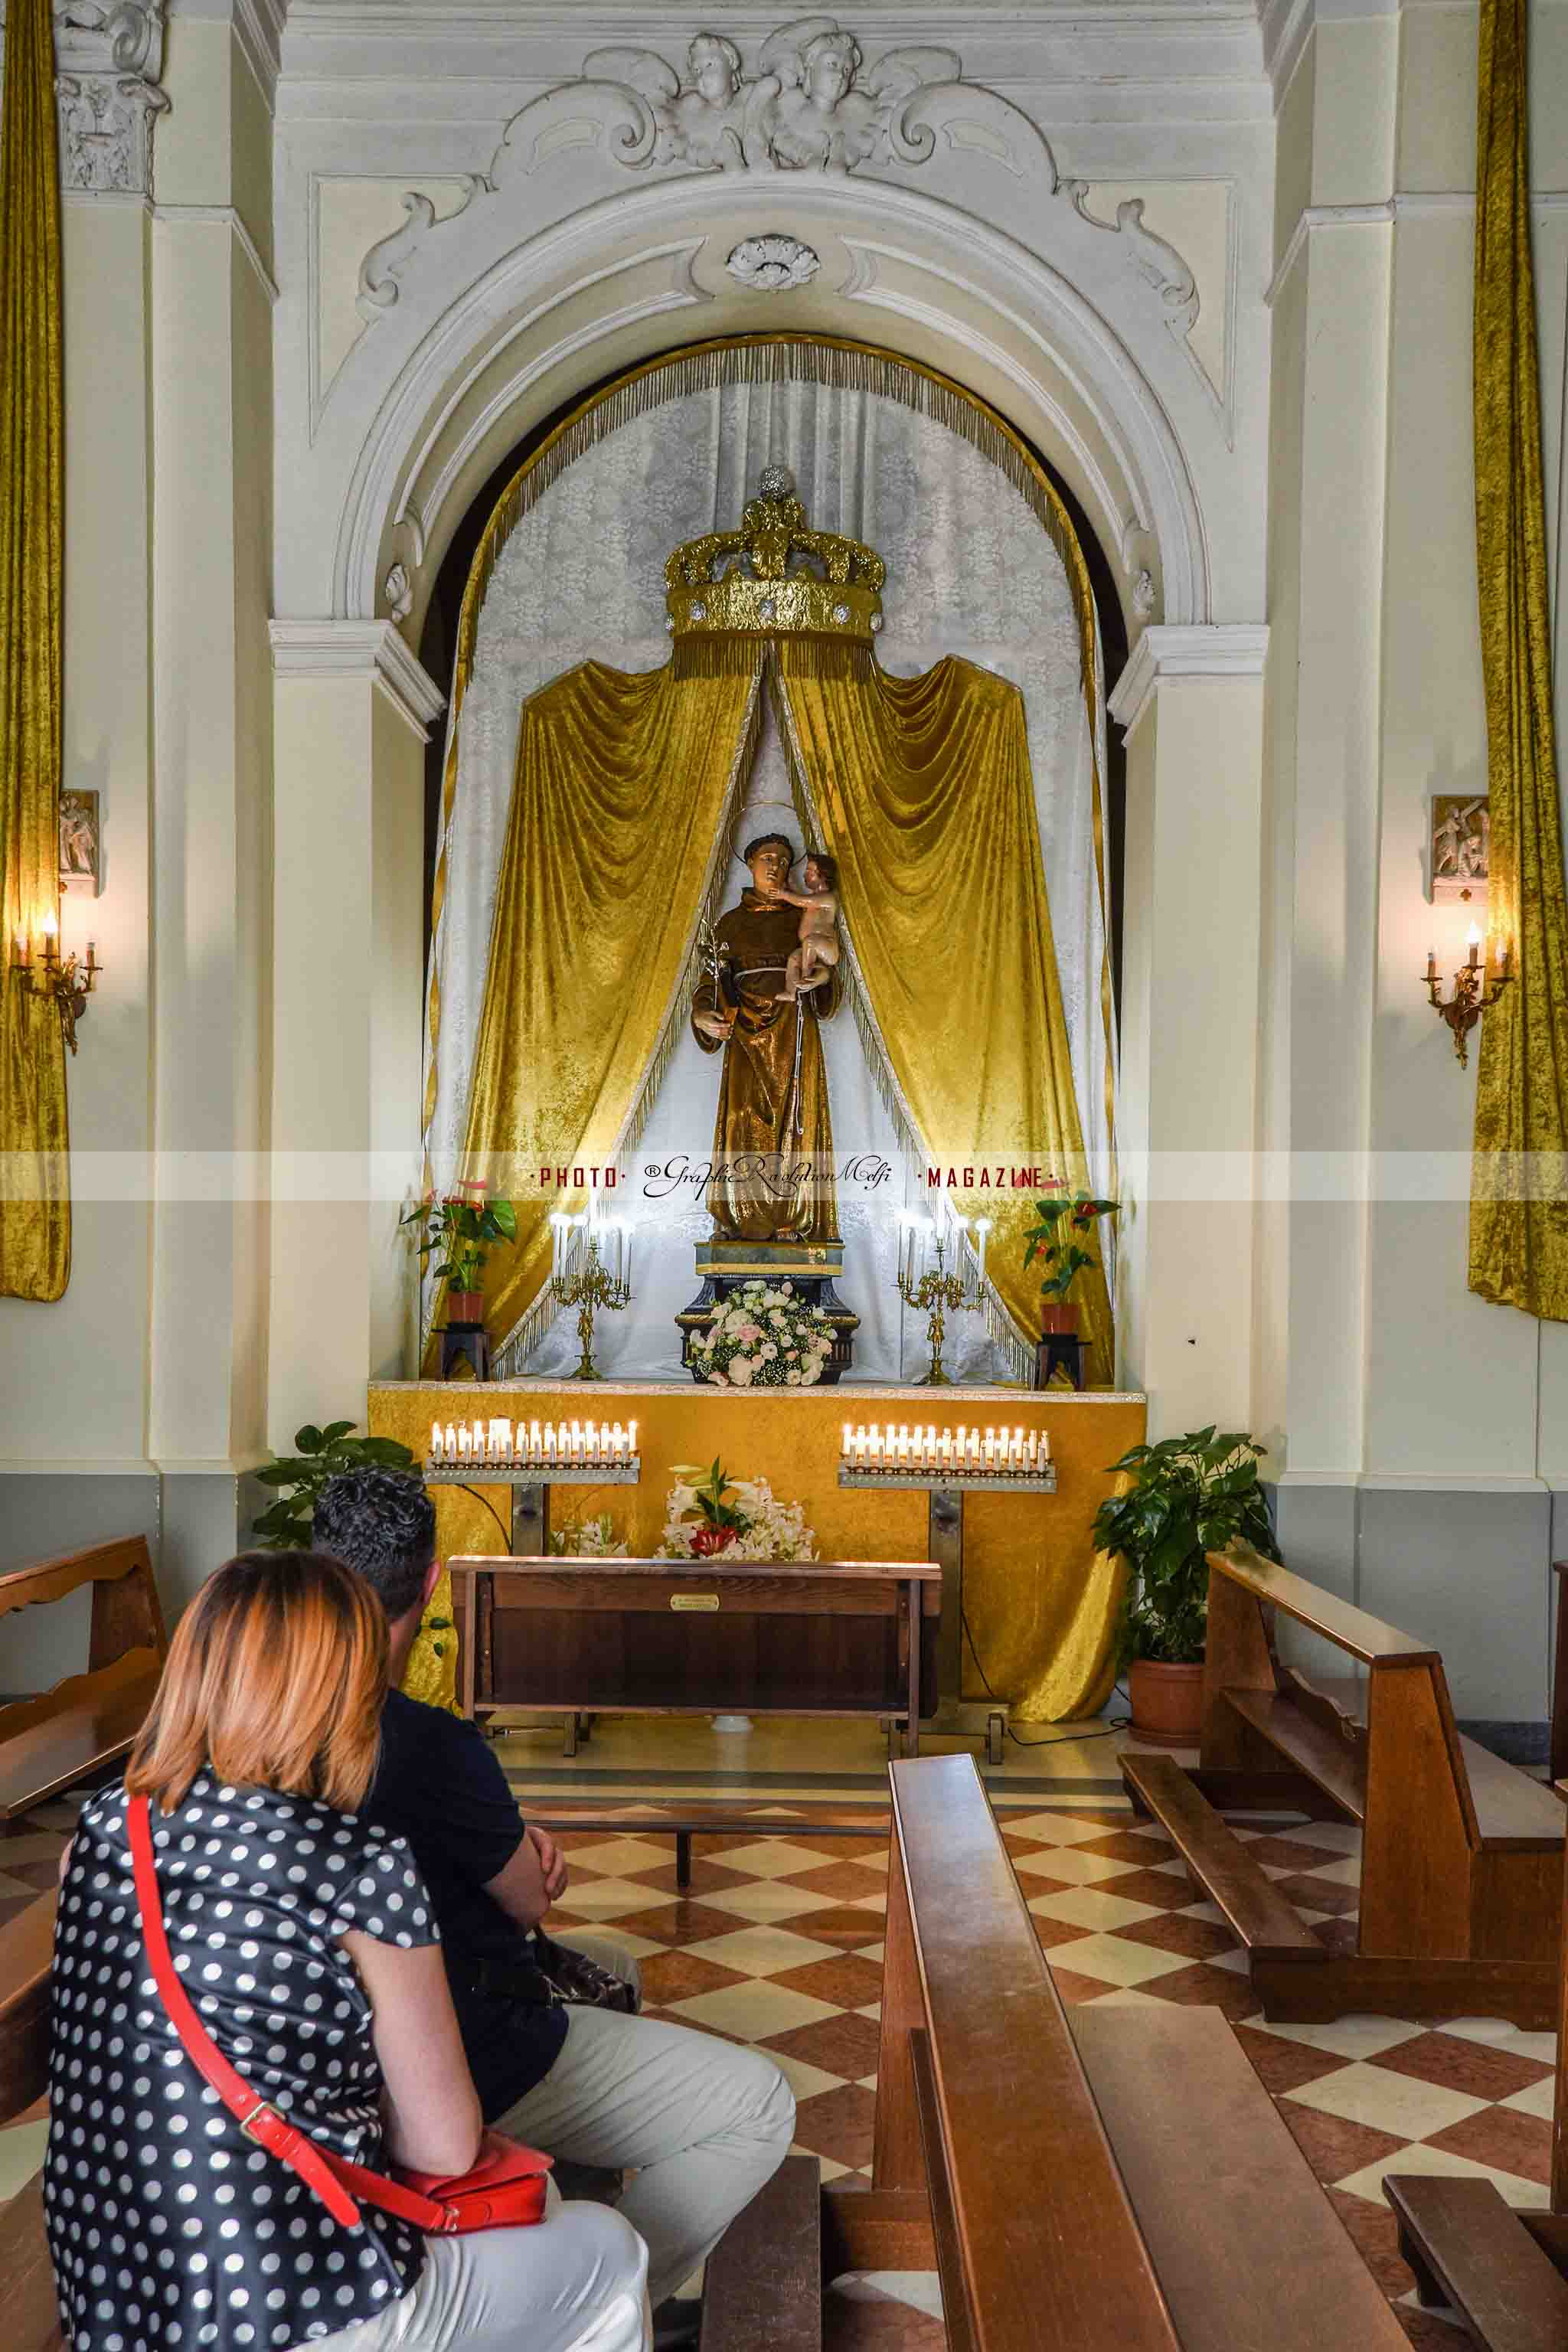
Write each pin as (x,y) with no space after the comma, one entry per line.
(35,1206)
(1519,1203)
(618,818)
(924,791)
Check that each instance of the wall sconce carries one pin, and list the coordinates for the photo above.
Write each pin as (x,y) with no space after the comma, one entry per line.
(1472,996)
(64,980)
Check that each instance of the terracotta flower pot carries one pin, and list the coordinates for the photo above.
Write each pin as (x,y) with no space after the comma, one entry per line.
(1058,1315)
(465,1307)
(1167,1701)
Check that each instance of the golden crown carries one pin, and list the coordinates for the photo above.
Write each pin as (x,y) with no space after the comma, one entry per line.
(773,576)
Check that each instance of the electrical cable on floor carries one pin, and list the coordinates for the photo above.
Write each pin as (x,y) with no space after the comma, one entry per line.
(1051,1739)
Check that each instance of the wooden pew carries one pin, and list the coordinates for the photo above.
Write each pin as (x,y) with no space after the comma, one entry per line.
(26,1950)
(1505,2273)
(87,1723)
(1460,1852)
(1124,2184)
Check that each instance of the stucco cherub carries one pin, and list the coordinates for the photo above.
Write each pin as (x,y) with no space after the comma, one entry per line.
(829,115)
(703,121)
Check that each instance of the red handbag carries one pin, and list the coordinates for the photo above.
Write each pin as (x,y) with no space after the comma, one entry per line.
(505,2190)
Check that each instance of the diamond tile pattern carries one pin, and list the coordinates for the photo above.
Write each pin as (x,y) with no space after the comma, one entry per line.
(778,1942)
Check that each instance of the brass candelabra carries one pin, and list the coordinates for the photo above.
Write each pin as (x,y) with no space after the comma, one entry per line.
(937,1294)
(1473,994)
(66,981)
(593,1286)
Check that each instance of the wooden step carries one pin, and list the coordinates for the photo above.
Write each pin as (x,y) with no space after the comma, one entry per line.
(1333,1764)
(1469,2251)
(1258,1915)
(1245,2244)
(763,2288)
(1512,1810)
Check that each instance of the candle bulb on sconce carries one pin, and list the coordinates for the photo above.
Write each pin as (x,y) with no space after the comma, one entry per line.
(1472,993)
(65,980)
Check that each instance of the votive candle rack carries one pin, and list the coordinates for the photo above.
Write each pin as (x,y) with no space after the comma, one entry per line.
(585,1452)
(1013,1460)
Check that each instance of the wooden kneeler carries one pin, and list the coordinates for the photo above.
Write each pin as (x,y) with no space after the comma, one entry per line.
(1504,2273)
(1461,1853)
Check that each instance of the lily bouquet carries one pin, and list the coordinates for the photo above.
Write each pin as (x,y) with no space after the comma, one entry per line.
(708,1512)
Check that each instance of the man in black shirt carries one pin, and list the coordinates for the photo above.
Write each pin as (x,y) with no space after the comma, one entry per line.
(704,2122)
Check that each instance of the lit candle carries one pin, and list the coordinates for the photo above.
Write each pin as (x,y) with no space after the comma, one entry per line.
(501,1432)
(848,1441)
(465,1445)
(1018,1447)
(535,1439)
(989,1449)
(860,1440)
(1431,964)
(1044,1445)
(930,1447)
(618,1444)
(449,1450)
(1033,1451)
(590,1440)
(575,1450)
(632,1439)
(436,1440)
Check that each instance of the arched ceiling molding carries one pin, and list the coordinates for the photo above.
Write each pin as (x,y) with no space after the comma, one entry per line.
(557,271)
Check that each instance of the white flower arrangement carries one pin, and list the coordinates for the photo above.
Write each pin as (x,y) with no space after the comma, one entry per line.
(740,1517)
(764,1335)
(589,1540)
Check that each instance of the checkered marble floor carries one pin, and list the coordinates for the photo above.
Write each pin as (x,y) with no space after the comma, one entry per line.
(778,1942)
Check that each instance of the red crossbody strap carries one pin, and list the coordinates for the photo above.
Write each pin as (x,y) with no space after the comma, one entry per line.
(256,2118)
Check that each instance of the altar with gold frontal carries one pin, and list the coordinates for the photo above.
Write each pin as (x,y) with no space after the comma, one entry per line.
(1039,1601)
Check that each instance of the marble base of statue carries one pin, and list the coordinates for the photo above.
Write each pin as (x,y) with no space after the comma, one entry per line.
(809,1267)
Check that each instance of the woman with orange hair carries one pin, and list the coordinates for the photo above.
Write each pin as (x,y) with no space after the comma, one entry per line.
(304,1938)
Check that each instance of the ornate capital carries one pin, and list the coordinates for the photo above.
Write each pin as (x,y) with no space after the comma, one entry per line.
(108,60)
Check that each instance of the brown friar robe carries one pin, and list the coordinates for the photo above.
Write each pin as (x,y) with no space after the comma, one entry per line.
(772,1177)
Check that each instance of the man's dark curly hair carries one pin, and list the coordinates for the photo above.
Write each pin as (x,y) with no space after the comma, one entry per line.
(383,1523)
(763,841)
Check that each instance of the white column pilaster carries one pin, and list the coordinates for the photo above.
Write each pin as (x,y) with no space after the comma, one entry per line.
(1191,701)
(352,708)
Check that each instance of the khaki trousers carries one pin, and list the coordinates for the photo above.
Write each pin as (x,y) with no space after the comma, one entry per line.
(575,2283)
(704,2122)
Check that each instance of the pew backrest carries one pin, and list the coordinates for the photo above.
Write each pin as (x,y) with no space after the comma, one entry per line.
(88,1722)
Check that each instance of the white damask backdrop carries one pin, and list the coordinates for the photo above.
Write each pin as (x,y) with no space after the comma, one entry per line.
(969,571)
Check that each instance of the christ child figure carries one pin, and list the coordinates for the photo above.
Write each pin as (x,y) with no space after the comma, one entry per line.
(814,957)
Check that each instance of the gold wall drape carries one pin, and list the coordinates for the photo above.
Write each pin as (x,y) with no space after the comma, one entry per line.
(619,810)
(1519,1189)
(35,1205)
(923,793)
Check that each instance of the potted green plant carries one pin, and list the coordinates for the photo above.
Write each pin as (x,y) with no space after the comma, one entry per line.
(1063,1225)
(286,1525)
(1186,1498)
(456,1229)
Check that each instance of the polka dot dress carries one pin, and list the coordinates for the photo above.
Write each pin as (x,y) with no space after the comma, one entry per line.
(166,2224)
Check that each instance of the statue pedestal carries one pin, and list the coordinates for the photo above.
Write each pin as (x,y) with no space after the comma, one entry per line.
(810,1267)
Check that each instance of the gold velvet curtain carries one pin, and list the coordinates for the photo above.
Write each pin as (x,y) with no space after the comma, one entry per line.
(1519,1203)
(35,1206)
(619,812)
(923,793)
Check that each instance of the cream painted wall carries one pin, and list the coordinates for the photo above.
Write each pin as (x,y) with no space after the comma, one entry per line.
(1395,1370)
(73,1376)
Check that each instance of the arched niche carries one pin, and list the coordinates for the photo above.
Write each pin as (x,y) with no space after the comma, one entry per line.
(491,331)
